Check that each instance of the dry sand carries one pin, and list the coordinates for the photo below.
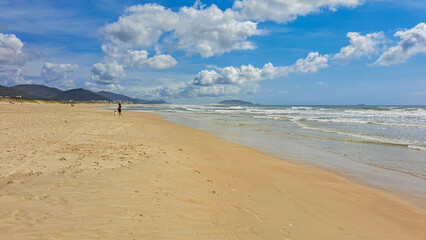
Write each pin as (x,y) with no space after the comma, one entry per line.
(82,173)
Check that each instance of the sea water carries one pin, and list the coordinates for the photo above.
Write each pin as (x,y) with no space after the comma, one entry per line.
(381,146)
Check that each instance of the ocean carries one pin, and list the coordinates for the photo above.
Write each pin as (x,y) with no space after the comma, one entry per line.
(380,146)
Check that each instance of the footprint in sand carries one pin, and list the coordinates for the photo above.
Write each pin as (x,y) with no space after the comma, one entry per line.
(214,192)
(17,214)
(42,197)
(138,217)
(286,234)
(41,218)
(254,214)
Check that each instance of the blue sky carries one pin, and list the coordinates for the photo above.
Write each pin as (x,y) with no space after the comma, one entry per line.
(269,52)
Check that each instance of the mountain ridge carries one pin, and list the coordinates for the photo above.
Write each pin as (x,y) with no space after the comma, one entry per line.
(11,92)
(42,92)
(78,94)
(116,96)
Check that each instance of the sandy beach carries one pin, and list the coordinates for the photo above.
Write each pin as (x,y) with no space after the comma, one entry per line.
(83,173)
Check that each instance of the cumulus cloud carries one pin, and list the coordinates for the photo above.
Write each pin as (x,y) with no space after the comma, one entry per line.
(134,59)
(11,50)
(211,31)
(232,80)
(312,63)
(142,26)
(118,59)
(245,74)
(58,73)
(207,31)
(246,45)
(359,46)
(199,29)
(107,72)
(13,76)
(413,41)
(103,87)
(161,61)
(216,90)
(17,77)
(284,10)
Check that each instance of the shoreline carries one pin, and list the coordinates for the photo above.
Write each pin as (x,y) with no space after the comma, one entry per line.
(148,177)
(375,176)
(408,198)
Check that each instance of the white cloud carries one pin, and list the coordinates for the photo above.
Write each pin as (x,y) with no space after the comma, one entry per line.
(17,77)
(95,87)
(161,61)
(286,10)
(134,59)
(173,90)
(142,26)
(187,90)
(312,63)
(112,51)
(245,74)
(211,31)
(232,80)
(11,50)
(58,73)
(246,45)
(359,46)
(207,31)
(216,90)
(13,76)
(413,41)
(320,83)
(206,78)
(107,72)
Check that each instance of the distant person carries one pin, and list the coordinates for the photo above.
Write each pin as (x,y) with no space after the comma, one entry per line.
(119,109)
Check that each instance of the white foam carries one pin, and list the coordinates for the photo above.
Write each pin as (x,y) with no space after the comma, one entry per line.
(373,139)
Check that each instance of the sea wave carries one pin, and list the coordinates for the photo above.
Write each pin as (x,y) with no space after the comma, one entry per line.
(358,121)
(371,139)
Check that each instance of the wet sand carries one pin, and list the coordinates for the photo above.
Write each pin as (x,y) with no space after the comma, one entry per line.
(82,173)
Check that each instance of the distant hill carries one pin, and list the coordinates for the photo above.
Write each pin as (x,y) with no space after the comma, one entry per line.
(236,102)
(78,94)
(11,92)
(35,91)
(39,91)
(150,101)
(116,97)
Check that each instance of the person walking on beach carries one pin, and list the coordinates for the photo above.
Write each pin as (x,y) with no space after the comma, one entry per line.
(119,109)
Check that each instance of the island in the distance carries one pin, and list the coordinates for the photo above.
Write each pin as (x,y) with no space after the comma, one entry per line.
(236,103)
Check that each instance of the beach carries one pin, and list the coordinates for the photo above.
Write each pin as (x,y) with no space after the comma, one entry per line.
(82,173)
